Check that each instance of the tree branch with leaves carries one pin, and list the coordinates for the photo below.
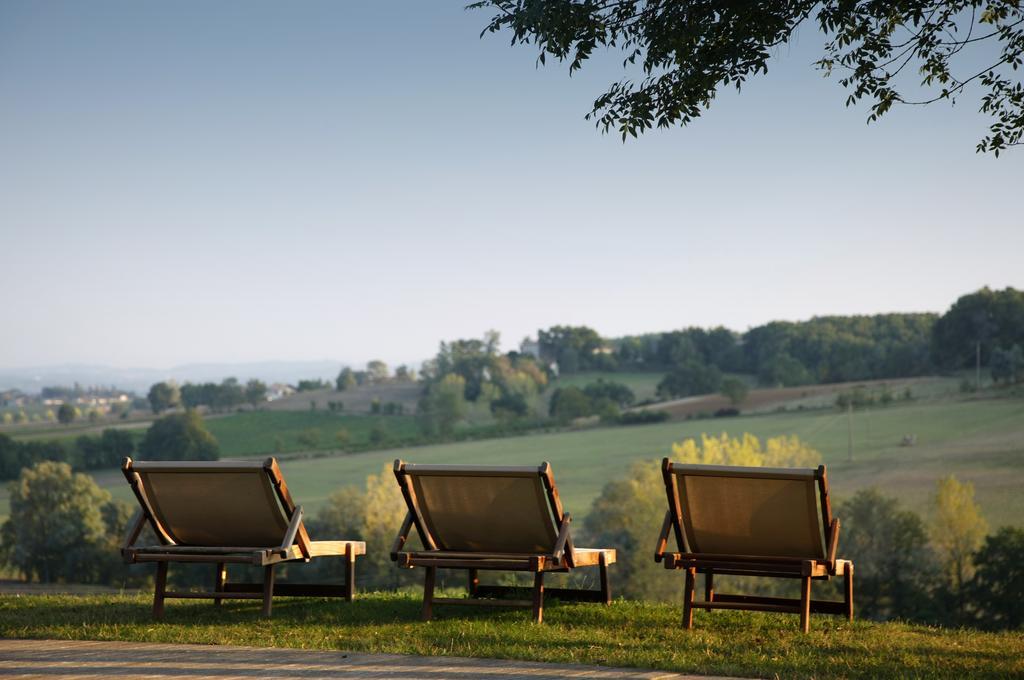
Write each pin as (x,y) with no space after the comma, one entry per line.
(685,51)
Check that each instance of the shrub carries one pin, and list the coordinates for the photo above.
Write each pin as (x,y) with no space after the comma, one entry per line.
(568,403)
(309,438)
(179,436)
(643,417)
(725,450)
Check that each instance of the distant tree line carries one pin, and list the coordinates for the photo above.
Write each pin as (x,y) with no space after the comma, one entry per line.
(76,390)
(178,436)
(824,349)
(376,373)
(87,452)
(223,396)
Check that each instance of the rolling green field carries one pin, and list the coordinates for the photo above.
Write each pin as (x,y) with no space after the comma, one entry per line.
(644,635)
(256,433)
(979,440)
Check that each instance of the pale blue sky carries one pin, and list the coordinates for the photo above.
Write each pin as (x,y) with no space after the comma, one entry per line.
(240,181)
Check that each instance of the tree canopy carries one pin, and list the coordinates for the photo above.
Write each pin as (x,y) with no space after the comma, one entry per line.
(62,526)
(991,319)
(179,436)
(678,54)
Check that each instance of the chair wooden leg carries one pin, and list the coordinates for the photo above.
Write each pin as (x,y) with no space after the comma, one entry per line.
(691,577)
(159,590)
(805,603)
(709,586)
(219,578)
(428,593)
(268,589)
(350,573)
(606,589)
(473,582)
(848,587)
(538,596)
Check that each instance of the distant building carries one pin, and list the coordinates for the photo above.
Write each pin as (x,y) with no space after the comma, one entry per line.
(12,398)
(279,390)
(531,347)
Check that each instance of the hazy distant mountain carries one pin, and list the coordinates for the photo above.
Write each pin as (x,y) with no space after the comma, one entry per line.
(32,379)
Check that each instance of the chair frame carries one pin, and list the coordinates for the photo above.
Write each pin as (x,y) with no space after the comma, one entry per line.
(807,570)
(563,557)
(295,546)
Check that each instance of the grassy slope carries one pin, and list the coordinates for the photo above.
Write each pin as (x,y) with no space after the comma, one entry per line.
(255,433)
(625,634)
(981,441)
(978,441)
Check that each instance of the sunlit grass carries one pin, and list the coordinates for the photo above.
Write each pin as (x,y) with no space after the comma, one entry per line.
(624,634)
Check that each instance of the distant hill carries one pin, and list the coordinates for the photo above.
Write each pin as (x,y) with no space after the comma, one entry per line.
(33,379)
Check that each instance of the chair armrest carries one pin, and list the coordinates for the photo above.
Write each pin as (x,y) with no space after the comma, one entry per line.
(403,536)
(833,543)
(289,536)
(134,529)
(563,537)
(666,526)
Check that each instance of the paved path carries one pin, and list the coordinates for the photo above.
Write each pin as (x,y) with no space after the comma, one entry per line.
(60,659)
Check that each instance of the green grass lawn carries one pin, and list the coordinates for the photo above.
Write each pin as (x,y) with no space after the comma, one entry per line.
(630,634)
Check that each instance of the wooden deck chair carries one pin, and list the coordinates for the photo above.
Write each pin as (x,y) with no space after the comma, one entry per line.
(492,518)
(226,512)
(752,522)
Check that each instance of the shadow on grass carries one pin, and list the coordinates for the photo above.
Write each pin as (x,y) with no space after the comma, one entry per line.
(625,634)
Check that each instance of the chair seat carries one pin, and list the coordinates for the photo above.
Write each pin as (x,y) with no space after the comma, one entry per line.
(585,557)
(316,549)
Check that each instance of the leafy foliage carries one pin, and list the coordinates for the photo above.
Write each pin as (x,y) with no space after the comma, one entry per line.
(735,390)
(66,414)
(993,318)
(224,396)
(623,517)
(89,452)
(502,385)
(443,405)
(602,398)
(569,403)
(179,436)
(162,396)
(574,348)
(686,52)
(62,527)
(895,567)
(372,514)
(997,589)
(747,450)
(1008,365)
(958,529)
(690,378)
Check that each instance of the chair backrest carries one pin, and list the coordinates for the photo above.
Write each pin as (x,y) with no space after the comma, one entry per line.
(213,504)
(765,512)
(493,509)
